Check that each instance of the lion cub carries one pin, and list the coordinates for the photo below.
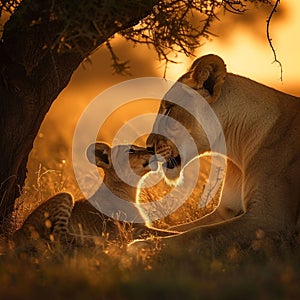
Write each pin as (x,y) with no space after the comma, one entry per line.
(59,218)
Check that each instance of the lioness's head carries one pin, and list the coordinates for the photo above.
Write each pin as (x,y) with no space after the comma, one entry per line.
(122,161)
(176,130)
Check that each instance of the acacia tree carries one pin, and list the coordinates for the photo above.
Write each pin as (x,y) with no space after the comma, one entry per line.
(44,41)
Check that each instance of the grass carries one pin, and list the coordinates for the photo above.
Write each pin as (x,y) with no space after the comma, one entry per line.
(113,274)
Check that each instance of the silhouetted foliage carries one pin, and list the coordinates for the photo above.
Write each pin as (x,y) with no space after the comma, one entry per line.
(171,25)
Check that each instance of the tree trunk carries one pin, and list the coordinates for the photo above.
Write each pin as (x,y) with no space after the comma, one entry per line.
(33,71)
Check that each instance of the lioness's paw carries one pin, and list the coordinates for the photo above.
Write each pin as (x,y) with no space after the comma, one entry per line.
(142,251)
(139,246)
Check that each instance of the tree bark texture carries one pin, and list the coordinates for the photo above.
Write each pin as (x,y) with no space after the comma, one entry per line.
(34,70)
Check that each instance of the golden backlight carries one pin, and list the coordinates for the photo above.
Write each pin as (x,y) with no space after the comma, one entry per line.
(122,116)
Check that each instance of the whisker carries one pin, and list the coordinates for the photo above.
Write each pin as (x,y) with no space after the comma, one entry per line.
(173,160)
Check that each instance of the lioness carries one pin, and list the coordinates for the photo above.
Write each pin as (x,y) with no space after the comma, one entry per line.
(261,127)
(81,222)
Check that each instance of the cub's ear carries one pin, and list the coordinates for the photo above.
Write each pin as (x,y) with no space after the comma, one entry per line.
(207,72)
(99,154)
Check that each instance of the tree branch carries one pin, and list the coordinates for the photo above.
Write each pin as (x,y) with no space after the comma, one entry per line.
(270,39)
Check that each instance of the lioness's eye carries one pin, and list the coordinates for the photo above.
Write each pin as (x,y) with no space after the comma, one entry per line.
(167,110)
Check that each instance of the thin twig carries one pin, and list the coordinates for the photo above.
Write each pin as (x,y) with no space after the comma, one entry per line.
(120,67)
(270,39)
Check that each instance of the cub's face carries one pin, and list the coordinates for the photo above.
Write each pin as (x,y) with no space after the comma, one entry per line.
(140,160)
(125,161)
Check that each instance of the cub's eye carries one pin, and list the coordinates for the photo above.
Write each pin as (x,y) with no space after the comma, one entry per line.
(130,150)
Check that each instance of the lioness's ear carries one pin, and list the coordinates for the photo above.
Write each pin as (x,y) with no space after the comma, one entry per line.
(99,154)
(208,72)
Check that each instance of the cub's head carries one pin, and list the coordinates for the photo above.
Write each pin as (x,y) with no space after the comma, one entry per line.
(128,162)
(177,135)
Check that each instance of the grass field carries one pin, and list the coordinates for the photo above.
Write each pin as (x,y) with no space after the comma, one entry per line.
(266,273)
